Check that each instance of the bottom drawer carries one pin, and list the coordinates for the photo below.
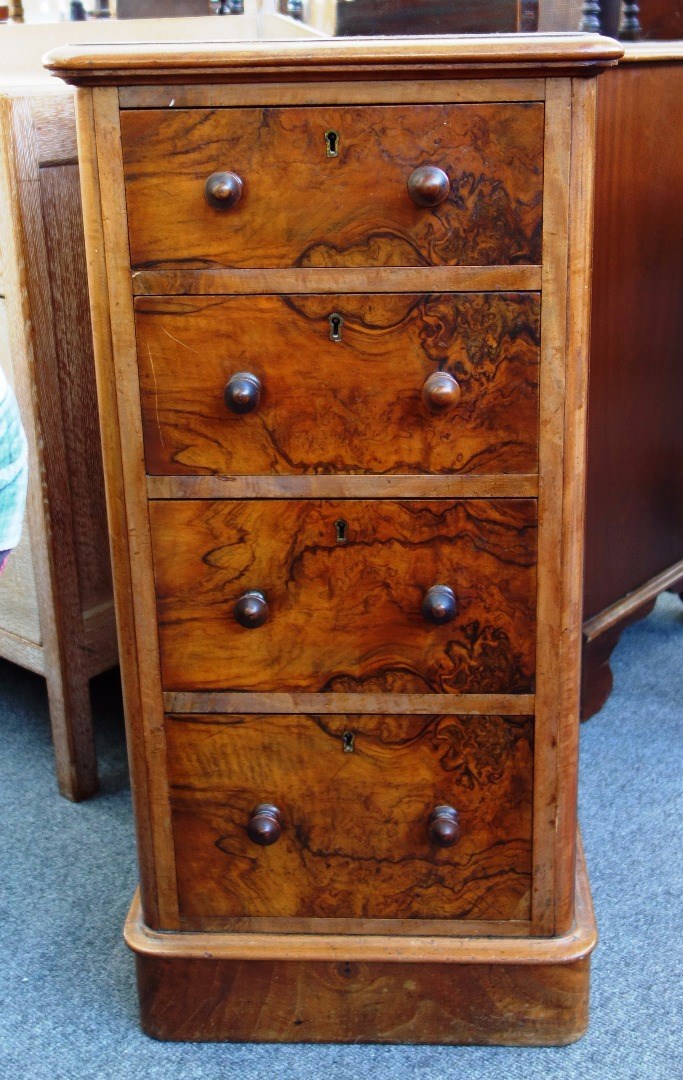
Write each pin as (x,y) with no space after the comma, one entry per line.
(354,795)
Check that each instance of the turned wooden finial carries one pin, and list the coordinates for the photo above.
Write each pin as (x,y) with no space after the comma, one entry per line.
(630,29)
(590,17)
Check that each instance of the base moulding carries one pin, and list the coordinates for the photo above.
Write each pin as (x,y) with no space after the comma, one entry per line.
(264,987)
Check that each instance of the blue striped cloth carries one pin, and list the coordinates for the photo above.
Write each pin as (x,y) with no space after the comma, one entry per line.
(13,468)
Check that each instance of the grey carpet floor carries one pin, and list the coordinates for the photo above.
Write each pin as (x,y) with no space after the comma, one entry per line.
(67,994)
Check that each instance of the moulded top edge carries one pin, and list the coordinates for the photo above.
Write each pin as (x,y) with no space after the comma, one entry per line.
(121,63)
(653,51)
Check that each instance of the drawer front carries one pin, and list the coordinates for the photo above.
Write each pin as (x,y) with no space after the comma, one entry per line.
(299,206)
(354,795)
(344,583)
(341,383)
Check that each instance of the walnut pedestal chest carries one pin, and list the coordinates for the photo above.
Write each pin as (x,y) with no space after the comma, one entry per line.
(340,300)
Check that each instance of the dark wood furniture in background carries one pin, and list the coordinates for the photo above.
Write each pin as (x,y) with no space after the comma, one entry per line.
(647,21)
(155,9)
(661,20)
(634,514)
(435,17)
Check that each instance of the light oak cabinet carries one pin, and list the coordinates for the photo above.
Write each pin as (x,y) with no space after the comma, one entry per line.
(339,296)
(56,607)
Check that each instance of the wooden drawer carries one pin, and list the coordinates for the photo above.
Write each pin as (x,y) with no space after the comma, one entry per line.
(301,207)
(349,405)
(346,616)
(354,840)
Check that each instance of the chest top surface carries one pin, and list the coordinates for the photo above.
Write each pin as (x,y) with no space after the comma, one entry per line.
(263,57)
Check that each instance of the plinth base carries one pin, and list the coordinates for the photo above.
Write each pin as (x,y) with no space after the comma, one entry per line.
(377,989)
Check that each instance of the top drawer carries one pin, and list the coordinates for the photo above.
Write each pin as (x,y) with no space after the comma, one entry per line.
(329,186)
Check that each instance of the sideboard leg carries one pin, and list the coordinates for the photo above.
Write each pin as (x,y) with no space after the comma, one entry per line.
(602,632)
(72,732)
(597,680)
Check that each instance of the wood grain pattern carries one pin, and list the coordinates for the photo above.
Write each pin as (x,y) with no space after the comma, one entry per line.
(98,288)
(354,837)
(634,507)
(367,927)
(346,617)
(568,690)
(217,95)
(254,61)
(42,240)
(369,279)
(662,20)
(344,611)
(32,339)
(421,486)
(349,210)
(358,408)
(464,704)
(347,1002)
(55,128)
(576,944)
(109,278)
(550,495)
(63,219)
(19,650)
(366,988)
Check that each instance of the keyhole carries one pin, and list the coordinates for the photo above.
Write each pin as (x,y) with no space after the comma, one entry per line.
(336,322)
(340,528)
(332,143)
(348,740)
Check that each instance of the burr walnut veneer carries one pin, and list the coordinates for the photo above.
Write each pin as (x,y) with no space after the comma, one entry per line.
(340,304)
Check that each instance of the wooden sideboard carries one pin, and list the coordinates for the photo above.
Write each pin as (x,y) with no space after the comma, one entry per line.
(348,589)
(634,513)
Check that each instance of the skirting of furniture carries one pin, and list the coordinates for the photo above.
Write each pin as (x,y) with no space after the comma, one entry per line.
(350,988)
(344,459)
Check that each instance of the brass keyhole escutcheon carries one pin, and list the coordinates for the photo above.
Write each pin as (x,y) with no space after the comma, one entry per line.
(348,742)
(340,528)
(332,143)
(336,322)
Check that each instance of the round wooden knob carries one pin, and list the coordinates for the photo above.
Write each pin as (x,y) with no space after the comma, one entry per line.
(243,392)
(251,610)
(428,186)
(439,604)
(265,824)
(440,392)
(444,826)
(223,190)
